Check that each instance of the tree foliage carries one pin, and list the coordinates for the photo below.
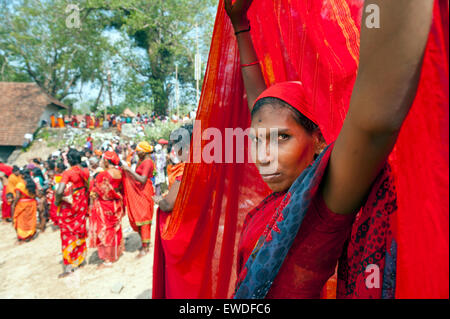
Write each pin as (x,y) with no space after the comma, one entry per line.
(38,43)
(41,47)
(165,30)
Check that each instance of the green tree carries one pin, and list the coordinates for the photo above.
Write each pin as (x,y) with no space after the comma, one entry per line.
(165,30)
(43,44)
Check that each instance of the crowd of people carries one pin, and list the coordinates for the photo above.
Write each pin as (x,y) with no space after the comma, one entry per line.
(86,192)
(92,121)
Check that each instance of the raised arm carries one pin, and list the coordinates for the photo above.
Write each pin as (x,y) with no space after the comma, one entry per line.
(389,70)
(140,178)
(253,78)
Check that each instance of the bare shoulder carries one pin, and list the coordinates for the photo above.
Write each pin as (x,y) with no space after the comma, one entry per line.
(115,173)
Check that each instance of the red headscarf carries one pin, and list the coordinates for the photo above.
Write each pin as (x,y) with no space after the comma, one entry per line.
(111,156)
(293,93)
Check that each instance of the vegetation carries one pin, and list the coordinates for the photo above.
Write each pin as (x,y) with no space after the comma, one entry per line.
(125,51)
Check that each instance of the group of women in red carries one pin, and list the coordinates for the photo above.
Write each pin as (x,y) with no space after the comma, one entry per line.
(87,206)
(103,201)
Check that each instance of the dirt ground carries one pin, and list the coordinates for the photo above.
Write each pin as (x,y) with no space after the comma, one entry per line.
(30,270)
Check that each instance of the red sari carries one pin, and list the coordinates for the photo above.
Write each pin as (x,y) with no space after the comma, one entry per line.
(13,180)
(139,201)
(312,258)
(162,281)
(316,42)
(105,227)
(72,217)
(6,207)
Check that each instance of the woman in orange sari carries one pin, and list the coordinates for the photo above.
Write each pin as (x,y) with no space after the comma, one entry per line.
(24,208)
(61,121)
(71,197)
(10,188)
(138,190)
(105,222)
(53,120)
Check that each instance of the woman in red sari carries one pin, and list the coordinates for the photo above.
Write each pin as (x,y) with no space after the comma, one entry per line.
(105,221)
(138,190)
(10,188)
(24,208)
(166,204)
(385,88)
(72,201)
(5,172)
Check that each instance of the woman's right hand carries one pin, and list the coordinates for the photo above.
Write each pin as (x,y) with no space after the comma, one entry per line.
(237,12)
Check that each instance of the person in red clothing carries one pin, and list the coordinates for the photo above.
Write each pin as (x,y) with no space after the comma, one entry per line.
(384,91)
(24,208)
(138,191)
(5,171)
(105,228)
(74,121)
(90,143)
(72,201)
(10,188)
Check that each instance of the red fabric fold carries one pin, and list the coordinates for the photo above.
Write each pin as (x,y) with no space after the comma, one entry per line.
(420,161)
(317,43)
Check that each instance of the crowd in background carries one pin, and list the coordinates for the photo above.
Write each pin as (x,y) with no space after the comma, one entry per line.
(92,121)
(86,192)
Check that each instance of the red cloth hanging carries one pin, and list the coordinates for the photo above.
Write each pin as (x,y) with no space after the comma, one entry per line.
(420,161)
(317,43)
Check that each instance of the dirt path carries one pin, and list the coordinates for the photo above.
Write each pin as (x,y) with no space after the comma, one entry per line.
(30,270)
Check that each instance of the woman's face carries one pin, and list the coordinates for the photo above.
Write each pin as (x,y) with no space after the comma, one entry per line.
(282,155)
